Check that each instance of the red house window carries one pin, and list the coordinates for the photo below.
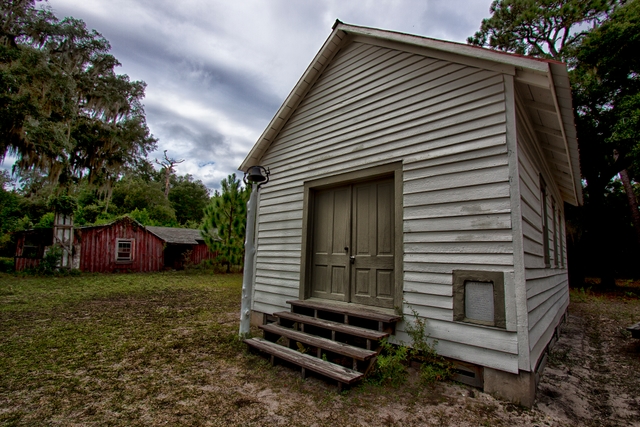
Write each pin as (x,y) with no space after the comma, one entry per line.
(124,250)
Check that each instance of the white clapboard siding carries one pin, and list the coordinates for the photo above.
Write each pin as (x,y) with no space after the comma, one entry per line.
(280,207)
(547,287)
(473,160)
(458,209)
(281,240)
(427,288)
(417,107)
(456,248)
(297,197)
(403,136)
(471,343)
(446,123)
(476,355)
(278,225)
(281,274)
(470,191)
(460,236)
(435,278)
(419,267)
(475,335)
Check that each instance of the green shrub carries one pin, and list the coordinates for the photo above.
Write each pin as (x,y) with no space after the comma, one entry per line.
(50,262)
(433,366)
(391,365)
(6,265)
(46,221)
(63,204)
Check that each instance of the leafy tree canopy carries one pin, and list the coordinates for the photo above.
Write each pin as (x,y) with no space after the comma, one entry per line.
(599,40)
(63,109)
(188,197)
(130,194)
(606,85)
(543,28)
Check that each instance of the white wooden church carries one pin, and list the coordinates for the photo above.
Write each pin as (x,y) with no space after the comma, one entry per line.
(408,173)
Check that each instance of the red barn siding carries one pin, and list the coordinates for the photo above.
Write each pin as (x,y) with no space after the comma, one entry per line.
(200,253)
(97,247)
(98,253)
(22,264)
(38,240)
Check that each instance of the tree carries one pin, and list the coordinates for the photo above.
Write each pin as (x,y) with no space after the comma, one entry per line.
(188,198)
(223,226)
(63,109)
(599,40)
(168,166)
(10,214)
(606,87)
(131,193)
(543,28)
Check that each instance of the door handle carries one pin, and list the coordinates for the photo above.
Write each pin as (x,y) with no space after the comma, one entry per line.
(352,259)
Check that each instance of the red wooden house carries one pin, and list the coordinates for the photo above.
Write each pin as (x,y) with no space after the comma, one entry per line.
(123,245)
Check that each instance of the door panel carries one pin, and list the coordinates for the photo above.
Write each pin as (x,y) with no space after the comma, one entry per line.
(373,243)
(354,220)
(331,235)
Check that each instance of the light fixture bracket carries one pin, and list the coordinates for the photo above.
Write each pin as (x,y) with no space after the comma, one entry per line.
(256,175)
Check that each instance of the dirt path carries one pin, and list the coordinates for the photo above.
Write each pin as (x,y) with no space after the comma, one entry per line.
(593,375)
(592,379)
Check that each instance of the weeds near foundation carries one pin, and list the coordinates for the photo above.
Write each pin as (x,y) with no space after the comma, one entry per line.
(391,364)
(433,366)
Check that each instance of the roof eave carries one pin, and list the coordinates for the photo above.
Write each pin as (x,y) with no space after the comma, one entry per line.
(553,70)
(524,62)
(560,82)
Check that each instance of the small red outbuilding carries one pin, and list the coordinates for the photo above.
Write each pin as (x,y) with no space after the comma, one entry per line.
(122,245)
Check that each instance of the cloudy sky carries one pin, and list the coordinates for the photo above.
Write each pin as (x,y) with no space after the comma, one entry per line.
(218,70)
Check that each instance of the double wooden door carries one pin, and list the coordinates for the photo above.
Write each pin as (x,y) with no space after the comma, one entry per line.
(353,243)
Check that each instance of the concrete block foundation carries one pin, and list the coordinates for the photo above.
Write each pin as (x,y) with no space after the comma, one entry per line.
(257,318)
(517,388)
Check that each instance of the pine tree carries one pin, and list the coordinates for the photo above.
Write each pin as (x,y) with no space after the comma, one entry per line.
(223,226)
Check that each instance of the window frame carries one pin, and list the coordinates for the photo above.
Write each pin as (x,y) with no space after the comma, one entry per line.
(556,259)
(460,277)
(545,224)
(131,243)
(561,231)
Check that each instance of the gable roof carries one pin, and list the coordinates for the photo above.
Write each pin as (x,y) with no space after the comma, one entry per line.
(550,78)
(183,236)
(125,218)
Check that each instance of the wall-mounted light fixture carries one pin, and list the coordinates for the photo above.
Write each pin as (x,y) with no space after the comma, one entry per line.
(256,175)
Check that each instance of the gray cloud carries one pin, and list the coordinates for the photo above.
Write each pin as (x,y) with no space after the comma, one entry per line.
(217,70)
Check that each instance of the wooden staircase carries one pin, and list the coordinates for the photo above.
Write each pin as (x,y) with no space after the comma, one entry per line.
(337,341)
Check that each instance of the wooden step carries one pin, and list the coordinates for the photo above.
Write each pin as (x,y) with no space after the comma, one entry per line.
(319,342)
(339,373)
(369,334)
(359,312)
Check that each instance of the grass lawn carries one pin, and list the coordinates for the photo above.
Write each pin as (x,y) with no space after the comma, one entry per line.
(161,349)
(134,349)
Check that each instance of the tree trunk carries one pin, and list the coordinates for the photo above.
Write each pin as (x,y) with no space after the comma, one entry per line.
(108,198)
(167,175)
(229,243)
(633,202)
